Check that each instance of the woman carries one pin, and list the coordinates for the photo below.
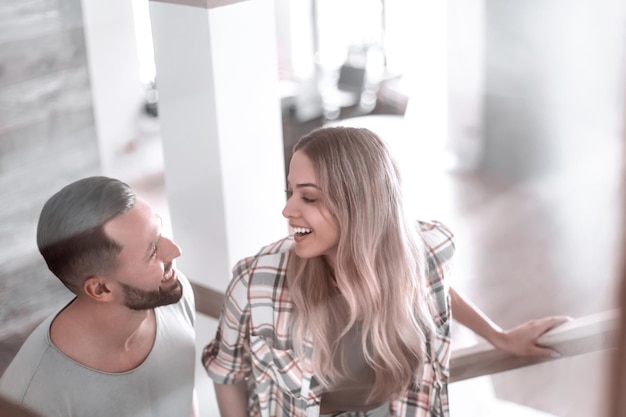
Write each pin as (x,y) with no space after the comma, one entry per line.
(350,315)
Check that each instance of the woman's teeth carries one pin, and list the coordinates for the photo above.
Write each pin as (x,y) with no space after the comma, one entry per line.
(302,230)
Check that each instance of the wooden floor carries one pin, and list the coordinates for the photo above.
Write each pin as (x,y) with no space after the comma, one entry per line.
(545,245)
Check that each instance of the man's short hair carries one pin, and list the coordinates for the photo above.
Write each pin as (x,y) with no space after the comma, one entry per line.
(70,232)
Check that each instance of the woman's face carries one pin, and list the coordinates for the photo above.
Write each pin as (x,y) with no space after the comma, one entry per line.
(316,231)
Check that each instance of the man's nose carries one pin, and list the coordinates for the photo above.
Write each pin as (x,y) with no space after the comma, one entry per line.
(172,250)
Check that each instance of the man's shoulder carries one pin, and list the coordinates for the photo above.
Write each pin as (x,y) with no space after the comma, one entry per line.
(26,364)
(13,409)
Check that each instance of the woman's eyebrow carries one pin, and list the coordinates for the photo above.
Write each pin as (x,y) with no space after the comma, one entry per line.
(307,184)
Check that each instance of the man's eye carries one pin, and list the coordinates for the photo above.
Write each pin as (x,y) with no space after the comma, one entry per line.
(289,193)
(154,252)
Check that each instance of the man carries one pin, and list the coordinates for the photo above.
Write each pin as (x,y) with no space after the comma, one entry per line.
(125,345)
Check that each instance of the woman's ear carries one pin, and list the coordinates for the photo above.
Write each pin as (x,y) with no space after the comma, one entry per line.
(98,288)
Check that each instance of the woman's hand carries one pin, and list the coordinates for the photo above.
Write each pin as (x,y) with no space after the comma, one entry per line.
(522,340)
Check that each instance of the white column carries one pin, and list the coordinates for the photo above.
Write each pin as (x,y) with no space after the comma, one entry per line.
(114,75)
(219,109)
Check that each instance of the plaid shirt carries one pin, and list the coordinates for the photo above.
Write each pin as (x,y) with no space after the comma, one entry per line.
(253,342)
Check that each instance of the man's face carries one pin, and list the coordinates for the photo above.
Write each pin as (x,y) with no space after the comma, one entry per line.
(145,270)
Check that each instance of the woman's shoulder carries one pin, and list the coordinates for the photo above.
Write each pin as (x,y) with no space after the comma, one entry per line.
(267,267)
(435,232)
(438,238)
(280,246)
(274,252)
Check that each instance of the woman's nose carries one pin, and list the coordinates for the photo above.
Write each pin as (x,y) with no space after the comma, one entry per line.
(288,210)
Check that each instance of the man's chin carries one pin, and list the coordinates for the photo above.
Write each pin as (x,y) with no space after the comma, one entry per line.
(175,289)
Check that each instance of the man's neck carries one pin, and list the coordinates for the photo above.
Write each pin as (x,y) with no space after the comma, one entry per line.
(109,338)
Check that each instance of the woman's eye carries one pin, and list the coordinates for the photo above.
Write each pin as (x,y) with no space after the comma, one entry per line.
(306,199)
(154,252)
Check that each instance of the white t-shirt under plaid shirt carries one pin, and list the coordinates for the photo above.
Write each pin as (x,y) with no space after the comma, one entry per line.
(253,342)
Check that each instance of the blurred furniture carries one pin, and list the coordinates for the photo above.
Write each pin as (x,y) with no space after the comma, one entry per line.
(348,91)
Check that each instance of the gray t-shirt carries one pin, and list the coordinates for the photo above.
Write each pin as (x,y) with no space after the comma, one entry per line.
(43,379)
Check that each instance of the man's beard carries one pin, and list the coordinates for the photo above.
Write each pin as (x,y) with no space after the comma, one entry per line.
(137,299)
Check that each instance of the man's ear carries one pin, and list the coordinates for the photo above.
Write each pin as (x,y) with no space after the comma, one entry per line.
(98,288)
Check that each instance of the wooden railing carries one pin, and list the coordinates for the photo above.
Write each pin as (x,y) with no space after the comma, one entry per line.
(208,302)
(582,335)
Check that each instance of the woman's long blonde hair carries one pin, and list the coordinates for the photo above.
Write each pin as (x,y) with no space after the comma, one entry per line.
(380,274)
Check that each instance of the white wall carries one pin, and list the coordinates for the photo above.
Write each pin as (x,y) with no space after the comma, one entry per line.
(554,83)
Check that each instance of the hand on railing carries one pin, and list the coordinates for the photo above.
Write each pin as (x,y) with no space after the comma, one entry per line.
(522,340)
(579,336)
